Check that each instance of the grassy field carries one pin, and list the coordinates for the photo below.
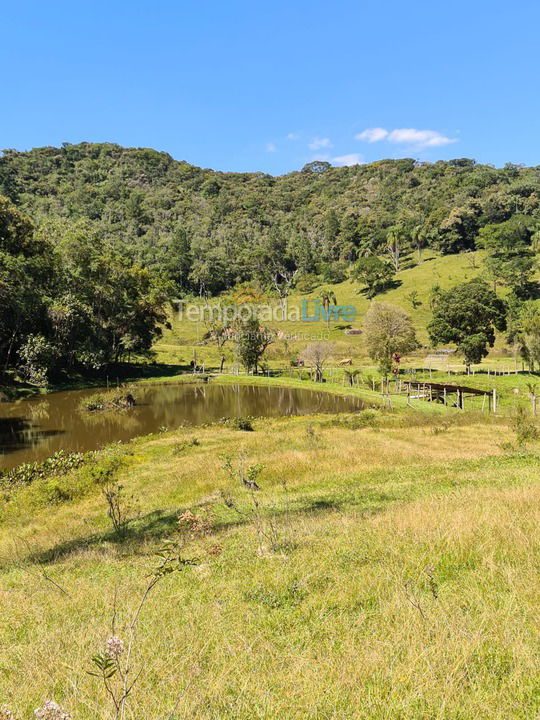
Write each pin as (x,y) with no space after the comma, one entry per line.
(179,344)
(389,570)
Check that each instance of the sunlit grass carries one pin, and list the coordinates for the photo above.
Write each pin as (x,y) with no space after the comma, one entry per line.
(407,588)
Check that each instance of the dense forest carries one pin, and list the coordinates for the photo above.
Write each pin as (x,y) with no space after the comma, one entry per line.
(91,233)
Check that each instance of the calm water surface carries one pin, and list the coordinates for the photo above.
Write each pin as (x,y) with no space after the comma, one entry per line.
(34,428)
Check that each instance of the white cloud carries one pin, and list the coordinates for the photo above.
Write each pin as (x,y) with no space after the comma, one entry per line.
(293,136)
(350,159)
(420,138)
(406,136)
(318,143)
(270,147)
(372,135)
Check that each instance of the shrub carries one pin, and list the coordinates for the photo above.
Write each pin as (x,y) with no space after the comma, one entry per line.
(525,428)
(239,423)
(180,447)
(58,464)
(110,400)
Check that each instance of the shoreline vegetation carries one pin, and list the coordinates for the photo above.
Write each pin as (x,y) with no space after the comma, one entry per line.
(108,401)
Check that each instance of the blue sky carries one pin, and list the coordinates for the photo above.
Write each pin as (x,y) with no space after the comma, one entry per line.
(270,85)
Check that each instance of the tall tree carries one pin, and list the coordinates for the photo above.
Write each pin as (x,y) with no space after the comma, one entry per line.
(510,259)
(388,331)
(374,273)
(252,341)
(25,276)
(468,315)
(327,297)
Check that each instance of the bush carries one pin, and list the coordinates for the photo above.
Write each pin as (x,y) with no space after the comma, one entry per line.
(238,423)
(58,464)
(242,423)
(525,428)
(180,447)
(111,400)
(38,356)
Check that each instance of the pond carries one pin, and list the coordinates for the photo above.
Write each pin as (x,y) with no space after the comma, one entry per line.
(34,428)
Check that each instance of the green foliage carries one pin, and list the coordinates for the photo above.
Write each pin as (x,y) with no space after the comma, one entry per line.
(525,427)
(242,423)
(374,273)
(239,423)
(105,666)
(206,231)
(524,331)
(58,464)
(111,400)
(389,332)
(119,231)
(510,259)
(468,316)
(38,356)
(413,299)
(252,340)
(68,298)
(180,447)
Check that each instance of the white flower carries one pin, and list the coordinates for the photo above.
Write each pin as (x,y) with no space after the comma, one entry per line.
(114,647)
(5,713)
(51,711)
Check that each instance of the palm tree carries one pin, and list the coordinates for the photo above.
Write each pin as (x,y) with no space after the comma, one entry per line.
(419,237)
(394,238)
(327,297)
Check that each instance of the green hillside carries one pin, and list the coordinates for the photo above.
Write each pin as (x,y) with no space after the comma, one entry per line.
(186,337)
(96,239)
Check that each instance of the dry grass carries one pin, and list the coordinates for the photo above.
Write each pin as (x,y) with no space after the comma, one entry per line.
(409,589)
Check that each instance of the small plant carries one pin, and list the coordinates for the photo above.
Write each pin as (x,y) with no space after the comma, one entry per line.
(240,473)
(312,437)
(192,526)
(242,423)
(181,447)
(113,665)
(51,711)
(246,476)
(121,509)
(525,428)
(412,298)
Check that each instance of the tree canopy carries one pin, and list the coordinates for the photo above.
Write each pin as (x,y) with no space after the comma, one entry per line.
(468,315)
(209,230)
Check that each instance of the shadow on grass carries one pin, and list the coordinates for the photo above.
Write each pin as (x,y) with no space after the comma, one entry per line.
(158,525)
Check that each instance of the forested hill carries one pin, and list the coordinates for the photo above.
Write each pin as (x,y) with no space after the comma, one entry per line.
(208,230)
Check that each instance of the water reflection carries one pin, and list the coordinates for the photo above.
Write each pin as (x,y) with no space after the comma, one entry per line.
(34,428)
